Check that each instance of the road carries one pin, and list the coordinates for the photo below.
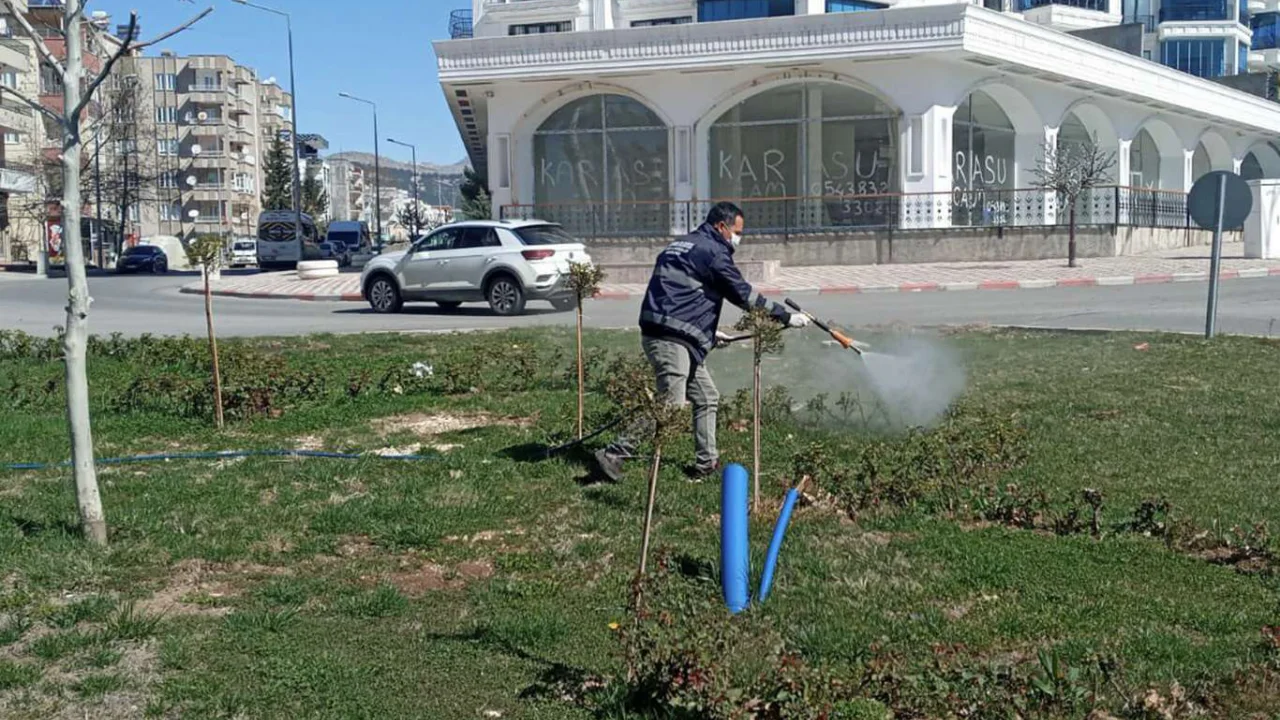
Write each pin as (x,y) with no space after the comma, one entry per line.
(138,304)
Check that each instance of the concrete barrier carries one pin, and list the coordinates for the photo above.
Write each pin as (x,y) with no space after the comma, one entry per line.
(316,269)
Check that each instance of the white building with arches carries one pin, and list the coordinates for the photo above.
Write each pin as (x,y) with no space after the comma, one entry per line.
(926,116)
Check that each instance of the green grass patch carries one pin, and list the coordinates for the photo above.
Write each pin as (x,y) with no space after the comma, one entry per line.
(949,571)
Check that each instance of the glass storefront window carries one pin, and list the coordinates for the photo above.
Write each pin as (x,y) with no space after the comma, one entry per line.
(1144,162)
(982,138)
(1265,27)
(806,149)
(603,150)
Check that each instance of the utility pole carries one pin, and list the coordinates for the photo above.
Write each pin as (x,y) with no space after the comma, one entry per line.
(377,165)
(417,209)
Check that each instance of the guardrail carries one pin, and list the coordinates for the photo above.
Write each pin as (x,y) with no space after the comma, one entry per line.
(796,216)
(460,24)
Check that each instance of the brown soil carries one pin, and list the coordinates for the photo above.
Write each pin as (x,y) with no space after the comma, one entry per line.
(192,579)
(437,423)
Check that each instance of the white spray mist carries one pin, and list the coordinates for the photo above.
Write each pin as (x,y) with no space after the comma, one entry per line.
(905,381)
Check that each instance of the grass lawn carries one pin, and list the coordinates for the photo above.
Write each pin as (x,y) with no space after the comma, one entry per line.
(481,584)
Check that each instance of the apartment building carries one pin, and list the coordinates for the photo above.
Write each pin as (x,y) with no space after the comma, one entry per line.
(30,142)
(205,127)
(346,190)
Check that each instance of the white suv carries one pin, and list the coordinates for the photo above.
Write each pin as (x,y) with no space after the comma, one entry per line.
(504,263)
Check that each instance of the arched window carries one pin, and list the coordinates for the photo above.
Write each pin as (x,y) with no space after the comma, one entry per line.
(814,139)
(1073,133)
(1251,168)
(1144,162)
(983,140)
(600,149)
(1200,162)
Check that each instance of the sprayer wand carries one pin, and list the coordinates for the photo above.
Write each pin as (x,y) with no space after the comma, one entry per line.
(845,341)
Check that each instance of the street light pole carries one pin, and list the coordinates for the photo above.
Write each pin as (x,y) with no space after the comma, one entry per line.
(293,120)
(377,165)
(416,208)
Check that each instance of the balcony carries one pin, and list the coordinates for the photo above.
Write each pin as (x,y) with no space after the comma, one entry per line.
(15,116)
(460,24)
(1148,22)
(1200,11)
(1266,29)
(716,10)
(16,181)
(1095,5)
(216,94)
(13,54)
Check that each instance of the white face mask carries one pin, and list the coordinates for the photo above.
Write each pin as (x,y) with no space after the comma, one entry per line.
(735,240)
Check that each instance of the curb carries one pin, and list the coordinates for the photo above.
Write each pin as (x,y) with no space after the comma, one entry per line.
(911,287)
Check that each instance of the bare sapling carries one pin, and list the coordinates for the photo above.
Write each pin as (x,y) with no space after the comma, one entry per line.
(206,253)
(632,390)
(1071,170)
(766,338)
(78,94)
(585,279)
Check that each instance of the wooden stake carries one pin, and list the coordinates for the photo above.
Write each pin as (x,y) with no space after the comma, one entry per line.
(648,513)
(755,435)
(213,350)
(580,370)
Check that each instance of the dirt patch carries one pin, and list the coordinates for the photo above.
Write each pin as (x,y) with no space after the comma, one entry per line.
(434,578)
(416,583)
(195,580)
(308,443)
(350,546)
(438,423)
(482,570)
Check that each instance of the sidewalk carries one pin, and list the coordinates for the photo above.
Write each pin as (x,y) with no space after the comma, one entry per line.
(1183,265)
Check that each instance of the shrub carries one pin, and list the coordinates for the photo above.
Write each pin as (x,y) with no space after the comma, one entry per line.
(685,656)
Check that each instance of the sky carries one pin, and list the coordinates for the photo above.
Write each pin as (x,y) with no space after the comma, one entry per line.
(375,49)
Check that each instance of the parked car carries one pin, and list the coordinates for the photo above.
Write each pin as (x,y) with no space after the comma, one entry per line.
(244,253)
(504,263)
(143,258)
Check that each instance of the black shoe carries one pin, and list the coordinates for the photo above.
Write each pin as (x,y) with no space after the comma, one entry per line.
(697,473)
(609,465)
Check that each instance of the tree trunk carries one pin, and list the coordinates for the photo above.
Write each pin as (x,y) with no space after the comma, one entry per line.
(213,350)
(77,333)
(648,513)
(755,434)
(1071,234)
(581,390)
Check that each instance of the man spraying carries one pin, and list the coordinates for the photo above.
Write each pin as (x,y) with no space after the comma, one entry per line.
(678,325)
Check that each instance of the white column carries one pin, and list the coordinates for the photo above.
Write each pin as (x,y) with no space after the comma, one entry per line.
(811,7)
(926,168)
(1236,163)
(1048,142)
(1188,169)
(1123,172)
(601,14)
(684,212)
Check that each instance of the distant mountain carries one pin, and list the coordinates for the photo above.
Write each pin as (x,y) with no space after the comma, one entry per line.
(435,182)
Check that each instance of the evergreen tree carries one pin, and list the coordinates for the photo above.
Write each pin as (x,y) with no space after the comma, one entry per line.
(315,199)
(476,203)
(277,191)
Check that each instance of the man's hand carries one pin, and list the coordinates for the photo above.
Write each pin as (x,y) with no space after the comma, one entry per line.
(723,338)
(798,320)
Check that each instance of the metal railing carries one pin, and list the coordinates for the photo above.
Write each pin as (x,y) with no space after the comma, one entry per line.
(1148,22)
(798,216)
(460,24)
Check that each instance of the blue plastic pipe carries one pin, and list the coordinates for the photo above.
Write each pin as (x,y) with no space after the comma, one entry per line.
(735,558)
(775,546)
